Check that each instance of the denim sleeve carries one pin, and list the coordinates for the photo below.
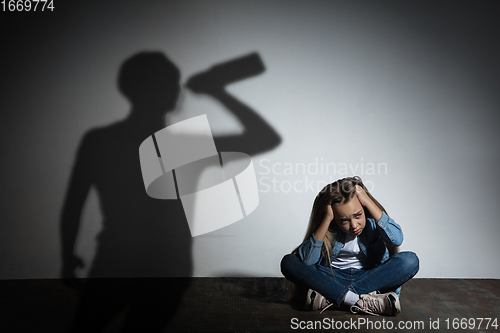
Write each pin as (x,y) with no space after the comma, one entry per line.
(389,230)
(310,250)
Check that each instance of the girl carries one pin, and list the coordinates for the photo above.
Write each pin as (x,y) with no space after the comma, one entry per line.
(344,259)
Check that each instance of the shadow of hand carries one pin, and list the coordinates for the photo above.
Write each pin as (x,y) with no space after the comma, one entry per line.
(207,82)
(70,264)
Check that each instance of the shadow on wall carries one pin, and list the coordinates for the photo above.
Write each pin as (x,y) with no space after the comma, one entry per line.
(142,237)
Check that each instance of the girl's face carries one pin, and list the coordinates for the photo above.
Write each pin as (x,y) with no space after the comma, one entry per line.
(350,216)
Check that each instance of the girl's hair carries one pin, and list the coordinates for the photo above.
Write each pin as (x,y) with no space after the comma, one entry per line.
(338,192)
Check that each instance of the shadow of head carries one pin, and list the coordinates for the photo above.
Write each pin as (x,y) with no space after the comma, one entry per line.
(151,82)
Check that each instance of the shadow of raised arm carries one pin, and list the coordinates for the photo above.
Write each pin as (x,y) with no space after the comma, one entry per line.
(258,135)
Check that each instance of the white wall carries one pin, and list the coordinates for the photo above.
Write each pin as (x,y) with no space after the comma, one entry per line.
(408,85)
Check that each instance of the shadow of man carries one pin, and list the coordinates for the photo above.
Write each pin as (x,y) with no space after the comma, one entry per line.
(142,238)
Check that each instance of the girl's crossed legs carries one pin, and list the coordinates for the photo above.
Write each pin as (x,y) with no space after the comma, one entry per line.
(387,277)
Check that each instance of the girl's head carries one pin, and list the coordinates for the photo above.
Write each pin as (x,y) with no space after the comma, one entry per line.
(349,214)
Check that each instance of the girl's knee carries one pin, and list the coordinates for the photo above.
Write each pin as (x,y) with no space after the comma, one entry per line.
(287,261)
(411,261)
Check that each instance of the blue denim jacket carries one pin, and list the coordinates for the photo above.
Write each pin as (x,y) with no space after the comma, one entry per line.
(371,242)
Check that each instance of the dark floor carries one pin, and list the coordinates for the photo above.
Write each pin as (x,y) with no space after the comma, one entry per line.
(234,305)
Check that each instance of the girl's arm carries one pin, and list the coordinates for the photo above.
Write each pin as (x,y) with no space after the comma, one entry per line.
(310,250)
(389,230)
(320,232)
(365,201)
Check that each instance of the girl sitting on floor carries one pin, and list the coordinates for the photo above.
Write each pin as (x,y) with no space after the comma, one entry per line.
(344,259)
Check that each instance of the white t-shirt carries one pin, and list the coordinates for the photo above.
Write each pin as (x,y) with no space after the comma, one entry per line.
(350,256)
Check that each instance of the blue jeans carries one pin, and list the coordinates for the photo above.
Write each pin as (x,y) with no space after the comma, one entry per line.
(386,277)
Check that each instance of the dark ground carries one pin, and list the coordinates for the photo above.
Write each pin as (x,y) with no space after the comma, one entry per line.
(235,305)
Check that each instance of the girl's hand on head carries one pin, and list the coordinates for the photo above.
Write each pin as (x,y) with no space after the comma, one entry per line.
(363,198)
(328,213)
